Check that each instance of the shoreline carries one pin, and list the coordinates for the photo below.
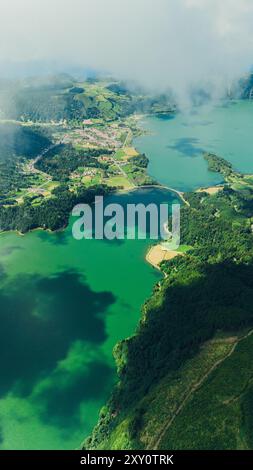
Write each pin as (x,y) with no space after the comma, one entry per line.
(211,189)
(37,229)
(157,254)
(117,191)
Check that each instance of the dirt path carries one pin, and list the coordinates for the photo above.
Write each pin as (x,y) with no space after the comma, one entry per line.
(123,172)
(117,164)
(195,387)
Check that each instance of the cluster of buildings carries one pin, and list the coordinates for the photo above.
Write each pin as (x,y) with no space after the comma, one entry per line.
(94,137)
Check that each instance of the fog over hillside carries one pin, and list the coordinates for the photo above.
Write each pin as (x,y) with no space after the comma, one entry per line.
(165,44)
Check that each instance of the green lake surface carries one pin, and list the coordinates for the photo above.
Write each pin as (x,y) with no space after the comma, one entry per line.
(64,304)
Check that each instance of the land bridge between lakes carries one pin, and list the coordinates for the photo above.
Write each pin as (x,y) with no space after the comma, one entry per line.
(180,194)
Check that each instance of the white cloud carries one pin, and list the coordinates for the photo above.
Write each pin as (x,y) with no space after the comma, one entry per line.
(167,43)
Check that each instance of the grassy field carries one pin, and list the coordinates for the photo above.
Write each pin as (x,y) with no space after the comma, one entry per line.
(126,153)
(184,248)
(120,181)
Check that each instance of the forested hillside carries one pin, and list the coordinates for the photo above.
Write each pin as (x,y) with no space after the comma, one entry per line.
(19,141)
(52,213)
(186,375)
(18,144)
(62,98)
(64,159)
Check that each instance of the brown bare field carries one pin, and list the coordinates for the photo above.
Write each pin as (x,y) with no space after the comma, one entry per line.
(211,190)
(157,254)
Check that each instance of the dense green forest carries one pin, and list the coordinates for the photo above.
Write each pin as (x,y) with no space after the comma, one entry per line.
(185,376)
(20,141)
(63,159)
(18,144)
(52,214)
(218,164)
(140,160)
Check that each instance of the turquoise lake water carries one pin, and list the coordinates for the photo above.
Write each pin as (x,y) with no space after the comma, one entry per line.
(64,304)
(175,146)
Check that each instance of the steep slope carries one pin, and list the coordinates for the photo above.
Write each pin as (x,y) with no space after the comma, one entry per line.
(186,376)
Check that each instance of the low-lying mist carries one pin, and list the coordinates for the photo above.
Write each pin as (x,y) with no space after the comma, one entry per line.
(182,45)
